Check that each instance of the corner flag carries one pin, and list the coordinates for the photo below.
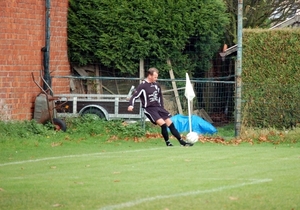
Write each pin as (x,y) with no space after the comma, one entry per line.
(190,95)
(189,91)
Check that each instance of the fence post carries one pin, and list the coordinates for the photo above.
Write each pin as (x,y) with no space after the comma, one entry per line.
(142,70)
(238,102)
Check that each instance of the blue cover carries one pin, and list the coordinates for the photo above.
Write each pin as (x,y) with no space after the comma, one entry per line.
(199,125)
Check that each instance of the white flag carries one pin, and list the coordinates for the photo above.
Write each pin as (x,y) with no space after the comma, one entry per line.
(189,91)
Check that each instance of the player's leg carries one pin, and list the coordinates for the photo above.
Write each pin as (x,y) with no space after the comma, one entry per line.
(175,132)
(164,131)
(156,120)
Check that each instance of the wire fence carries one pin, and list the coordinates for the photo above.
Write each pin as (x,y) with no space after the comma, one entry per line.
(214,99)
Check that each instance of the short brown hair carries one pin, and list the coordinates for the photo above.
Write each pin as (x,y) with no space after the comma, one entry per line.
(152,70)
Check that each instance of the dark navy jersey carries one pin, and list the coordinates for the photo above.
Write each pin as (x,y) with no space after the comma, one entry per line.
(149,94)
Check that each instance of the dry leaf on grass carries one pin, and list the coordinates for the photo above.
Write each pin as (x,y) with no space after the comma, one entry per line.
(81,183)
(153,135)
(233,198)
(206,139)
(56,144)
(263,138)
(57,205)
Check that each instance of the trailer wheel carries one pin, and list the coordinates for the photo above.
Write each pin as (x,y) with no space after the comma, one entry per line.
(94,111)
(59,124)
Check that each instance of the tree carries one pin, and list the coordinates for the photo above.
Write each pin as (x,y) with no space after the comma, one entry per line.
(118,33)
(259,14)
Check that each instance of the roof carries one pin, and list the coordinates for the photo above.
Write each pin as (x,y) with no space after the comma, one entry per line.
(289,22)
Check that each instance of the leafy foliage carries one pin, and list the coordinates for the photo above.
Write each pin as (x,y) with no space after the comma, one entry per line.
(90,130)
(124,130)
(271,77)
(85,127)
(25,129)
(120,33)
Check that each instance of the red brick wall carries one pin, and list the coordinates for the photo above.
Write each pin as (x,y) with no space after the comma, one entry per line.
(22,35)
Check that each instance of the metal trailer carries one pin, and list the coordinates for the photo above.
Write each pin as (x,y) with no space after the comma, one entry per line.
(105,106)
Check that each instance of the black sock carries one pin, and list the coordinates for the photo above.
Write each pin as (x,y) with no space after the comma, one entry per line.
(164,132)
(175,132)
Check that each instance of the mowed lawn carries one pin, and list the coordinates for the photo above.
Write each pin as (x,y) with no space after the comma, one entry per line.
(149,175)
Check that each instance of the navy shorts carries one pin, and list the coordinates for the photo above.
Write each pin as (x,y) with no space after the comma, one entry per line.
(155,113)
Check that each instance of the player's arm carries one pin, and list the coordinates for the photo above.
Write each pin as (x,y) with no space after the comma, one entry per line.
(136,94)
(161,98)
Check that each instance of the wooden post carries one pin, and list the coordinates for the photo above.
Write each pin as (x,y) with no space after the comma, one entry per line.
(174,87)
(142,70)
(98,83)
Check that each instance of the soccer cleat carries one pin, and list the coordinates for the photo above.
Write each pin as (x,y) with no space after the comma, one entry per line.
(185,144)
(169,144)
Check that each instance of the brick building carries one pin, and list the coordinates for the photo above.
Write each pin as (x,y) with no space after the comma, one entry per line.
(22,36)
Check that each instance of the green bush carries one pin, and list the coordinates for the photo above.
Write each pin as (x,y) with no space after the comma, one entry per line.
(23,129)
(125,130)
(117,34)
(271,78)
(81,127)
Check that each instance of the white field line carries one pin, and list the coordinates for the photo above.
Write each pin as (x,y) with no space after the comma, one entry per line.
(75,156)
(197,192)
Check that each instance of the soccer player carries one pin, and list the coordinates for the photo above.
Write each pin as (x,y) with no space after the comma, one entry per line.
(150,94)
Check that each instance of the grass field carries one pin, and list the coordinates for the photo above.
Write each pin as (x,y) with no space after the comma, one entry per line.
(57,173)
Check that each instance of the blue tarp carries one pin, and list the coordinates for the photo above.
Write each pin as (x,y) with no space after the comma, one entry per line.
(199,125)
